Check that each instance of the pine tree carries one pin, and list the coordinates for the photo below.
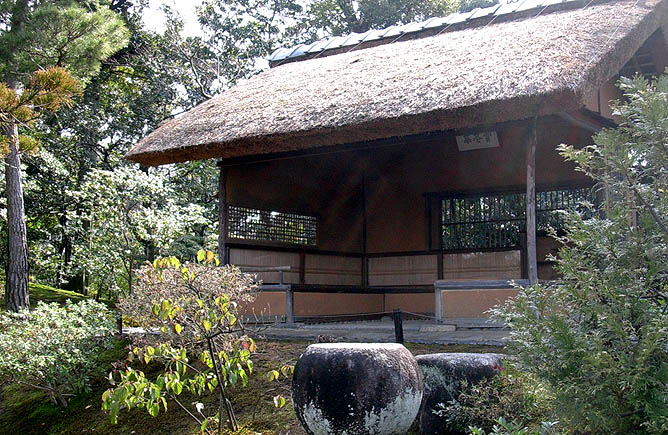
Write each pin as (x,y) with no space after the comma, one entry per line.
(41,43)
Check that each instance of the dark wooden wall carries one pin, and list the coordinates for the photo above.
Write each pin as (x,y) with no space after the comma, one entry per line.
(396,179)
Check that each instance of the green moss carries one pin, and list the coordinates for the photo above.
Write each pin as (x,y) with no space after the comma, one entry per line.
(28,411)
(44,293)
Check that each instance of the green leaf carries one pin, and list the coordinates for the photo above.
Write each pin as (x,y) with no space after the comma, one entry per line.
(178,328)
(174,262)
(154,409)
(201,255)
(279,401)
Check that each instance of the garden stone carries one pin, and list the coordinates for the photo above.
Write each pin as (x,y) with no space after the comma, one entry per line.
(356,389)
(443,374)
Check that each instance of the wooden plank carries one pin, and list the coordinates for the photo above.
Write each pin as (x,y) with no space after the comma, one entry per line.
(269,265)
(482,265)
(254,245)
(266,268)
(532,265)
(360,317)
(222,215)
(412,270)
(479,285)
(309,288)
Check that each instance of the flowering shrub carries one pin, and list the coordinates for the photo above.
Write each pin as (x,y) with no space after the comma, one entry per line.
(53,347)
(202,342)
(165,279)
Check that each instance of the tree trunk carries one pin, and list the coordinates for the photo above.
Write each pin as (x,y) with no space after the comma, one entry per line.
(16,286)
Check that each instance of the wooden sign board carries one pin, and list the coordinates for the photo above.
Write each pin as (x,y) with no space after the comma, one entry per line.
(486,139)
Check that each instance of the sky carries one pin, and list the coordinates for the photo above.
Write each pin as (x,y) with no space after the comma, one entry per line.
(154,19)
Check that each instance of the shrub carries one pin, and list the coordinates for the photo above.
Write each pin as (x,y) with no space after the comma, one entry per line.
(598,338)
(504,427)
(165,280)
(55,348)
(202,345)
(513,396)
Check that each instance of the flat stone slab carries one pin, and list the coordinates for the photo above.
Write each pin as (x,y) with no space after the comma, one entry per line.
(379,332)
(438,328)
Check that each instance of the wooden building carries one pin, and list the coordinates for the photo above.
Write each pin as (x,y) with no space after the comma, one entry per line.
(377,164)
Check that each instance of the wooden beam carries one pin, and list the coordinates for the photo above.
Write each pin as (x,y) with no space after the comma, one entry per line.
(222,216)
(532,264)
(480,285)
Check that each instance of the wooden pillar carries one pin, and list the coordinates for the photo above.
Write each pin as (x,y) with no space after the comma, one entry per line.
(222,215)
(302,267)
(532,264)
(289,306)
(398,327)
(438,304)
(365,260)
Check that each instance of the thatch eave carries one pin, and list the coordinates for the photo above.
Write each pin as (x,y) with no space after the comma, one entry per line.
(463,118)
(540,66)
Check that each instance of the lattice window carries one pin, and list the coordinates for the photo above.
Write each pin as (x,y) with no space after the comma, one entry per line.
(496,220)
(483,221)
(550,202)
(272,226)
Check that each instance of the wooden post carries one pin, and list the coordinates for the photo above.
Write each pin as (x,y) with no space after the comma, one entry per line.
(532,264)
(438,304)
(302,268)
(365,260)
(398,327)
(289,306)
(222,215)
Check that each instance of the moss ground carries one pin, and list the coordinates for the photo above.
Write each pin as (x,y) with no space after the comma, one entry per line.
(27,411)
(44,293)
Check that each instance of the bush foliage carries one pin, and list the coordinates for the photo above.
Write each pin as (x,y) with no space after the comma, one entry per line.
(202,342)
(512,396)
(599,337)
(55,348)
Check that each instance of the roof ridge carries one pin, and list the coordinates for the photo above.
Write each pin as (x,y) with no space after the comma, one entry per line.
(477,17)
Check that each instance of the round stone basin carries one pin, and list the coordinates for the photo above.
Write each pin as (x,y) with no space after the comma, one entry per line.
(357,389)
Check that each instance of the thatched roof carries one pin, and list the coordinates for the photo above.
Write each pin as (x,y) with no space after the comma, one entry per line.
(501,72)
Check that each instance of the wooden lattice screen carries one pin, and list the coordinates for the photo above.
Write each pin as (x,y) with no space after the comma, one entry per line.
(496,220)
(272,226)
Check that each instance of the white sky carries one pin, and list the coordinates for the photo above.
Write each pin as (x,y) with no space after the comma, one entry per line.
(154,18)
